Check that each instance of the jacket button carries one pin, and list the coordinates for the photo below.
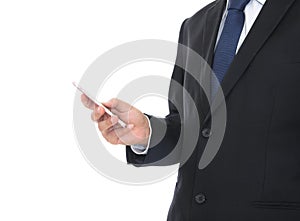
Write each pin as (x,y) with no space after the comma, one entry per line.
(206,132)
(200,198)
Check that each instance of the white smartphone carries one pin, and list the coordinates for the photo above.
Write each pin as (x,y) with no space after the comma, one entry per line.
(98,103)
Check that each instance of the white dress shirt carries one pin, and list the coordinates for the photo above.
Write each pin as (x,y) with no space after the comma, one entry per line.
(251,11)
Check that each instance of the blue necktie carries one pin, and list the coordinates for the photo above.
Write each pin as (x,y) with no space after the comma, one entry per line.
(227,45)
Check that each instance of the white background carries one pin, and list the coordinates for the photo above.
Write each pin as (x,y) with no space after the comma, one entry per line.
(44,45)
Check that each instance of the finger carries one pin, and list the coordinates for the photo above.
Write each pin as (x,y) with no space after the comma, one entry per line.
(118,126)
(120,132)
(101,118)
(88,103)
(115,135)
(105,125)
(98,113)
(126,137)
(117,105)
(113,138)
(115,127)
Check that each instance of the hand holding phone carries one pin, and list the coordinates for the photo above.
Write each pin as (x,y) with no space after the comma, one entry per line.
(98,103)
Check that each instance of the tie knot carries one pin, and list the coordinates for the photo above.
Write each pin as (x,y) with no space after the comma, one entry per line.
(238,4)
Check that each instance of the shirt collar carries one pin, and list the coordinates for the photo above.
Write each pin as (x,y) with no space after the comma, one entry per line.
(262,2)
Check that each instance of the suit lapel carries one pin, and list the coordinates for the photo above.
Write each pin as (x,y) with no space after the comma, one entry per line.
(269,18)
(211,29)
(208,41)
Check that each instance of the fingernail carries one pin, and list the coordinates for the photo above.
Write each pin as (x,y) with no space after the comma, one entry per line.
(98,109)
(130,126)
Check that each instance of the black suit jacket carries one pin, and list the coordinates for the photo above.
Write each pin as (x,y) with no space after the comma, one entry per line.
(256,173)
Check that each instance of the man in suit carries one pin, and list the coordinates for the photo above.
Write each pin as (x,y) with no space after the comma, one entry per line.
(253,47)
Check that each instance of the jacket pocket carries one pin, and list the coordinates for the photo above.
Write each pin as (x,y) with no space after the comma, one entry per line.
(277,205)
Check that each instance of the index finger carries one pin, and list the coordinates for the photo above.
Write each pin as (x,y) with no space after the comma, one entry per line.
(88,103)
(116,105)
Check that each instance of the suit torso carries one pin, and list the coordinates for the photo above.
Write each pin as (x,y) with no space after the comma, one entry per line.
(256,173)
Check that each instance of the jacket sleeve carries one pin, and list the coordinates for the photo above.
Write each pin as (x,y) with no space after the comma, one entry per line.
(165,142)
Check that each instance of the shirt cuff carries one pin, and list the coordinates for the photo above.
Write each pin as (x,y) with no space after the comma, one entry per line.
(141,149)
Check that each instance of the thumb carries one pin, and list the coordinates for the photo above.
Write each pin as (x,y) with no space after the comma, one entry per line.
(117,105)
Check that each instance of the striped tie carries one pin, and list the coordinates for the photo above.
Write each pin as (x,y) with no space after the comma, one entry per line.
(227,45)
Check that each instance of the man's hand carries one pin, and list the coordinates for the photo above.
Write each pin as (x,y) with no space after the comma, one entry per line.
(137,129)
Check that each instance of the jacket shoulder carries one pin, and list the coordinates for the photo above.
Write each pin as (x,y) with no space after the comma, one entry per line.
(199,15)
